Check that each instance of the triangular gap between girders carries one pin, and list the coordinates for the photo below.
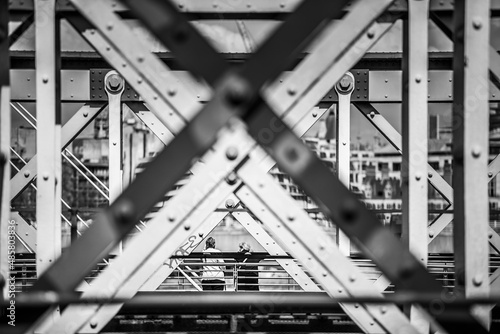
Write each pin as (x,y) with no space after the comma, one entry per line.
(225,242)
(190,269)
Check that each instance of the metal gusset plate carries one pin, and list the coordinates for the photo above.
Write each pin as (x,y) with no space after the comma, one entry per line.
(397,263)
(98,92)
(192,142)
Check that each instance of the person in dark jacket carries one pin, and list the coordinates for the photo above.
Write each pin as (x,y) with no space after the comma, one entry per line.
(248,274)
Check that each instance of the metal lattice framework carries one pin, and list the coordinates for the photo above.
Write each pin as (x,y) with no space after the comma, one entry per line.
(251,121)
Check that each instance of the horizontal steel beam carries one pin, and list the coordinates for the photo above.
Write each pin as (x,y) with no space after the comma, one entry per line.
(230,9)
(381,86)
(25,59)
(190,302)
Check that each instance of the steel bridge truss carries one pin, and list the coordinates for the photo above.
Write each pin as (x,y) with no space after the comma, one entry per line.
(250,122)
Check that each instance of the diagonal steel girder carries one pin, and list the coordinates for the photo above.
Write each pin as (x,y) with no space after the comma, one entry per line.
(347,60)
(236,95)
(307,242)
(147,278)
(120,47)
(291,156)
(366,43)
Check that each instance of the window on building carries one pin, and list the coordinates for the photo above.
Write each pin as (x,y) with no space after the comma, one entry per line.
(396,166)
(435,165)
(383,165)
(492,188)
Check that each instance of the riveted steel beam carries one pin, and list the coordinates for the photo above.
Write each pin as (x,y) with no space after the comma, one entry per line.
(415,114)
(136,64)
(151,121)
(25,233)
(230,9)
(470,151)
(48,137)
(322,67)
(344,89)
(114,86)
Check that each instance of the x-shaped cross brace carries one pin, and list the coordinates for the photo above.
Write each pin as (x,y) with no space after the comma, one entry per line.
(237,95)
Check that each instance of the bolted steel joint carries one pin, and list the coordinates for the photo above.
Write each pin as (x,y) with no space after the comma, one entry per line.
(346,84)
(114,83)
(230,204)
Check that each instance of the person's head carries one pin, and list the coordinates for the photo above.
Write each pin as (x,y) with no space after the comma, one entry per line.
(244,247)
(210,243)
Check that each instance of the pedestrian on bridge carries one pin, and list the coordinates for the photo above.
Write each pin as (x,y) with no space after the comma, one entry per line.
(213,274)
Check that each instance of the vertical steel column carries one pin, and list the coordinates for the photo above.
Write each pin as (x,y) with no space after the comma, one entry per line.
(470,150)
(344,89)
(4,144)
(415,114)
(114,86)
(48,207)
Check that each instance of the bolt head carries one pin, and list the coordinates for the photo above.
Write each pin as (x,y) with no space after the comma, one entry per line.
(476,151)
(345,83)
(114,82)
(232,153)
(231,178)
(477,23)
(93,323)
(230,203)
